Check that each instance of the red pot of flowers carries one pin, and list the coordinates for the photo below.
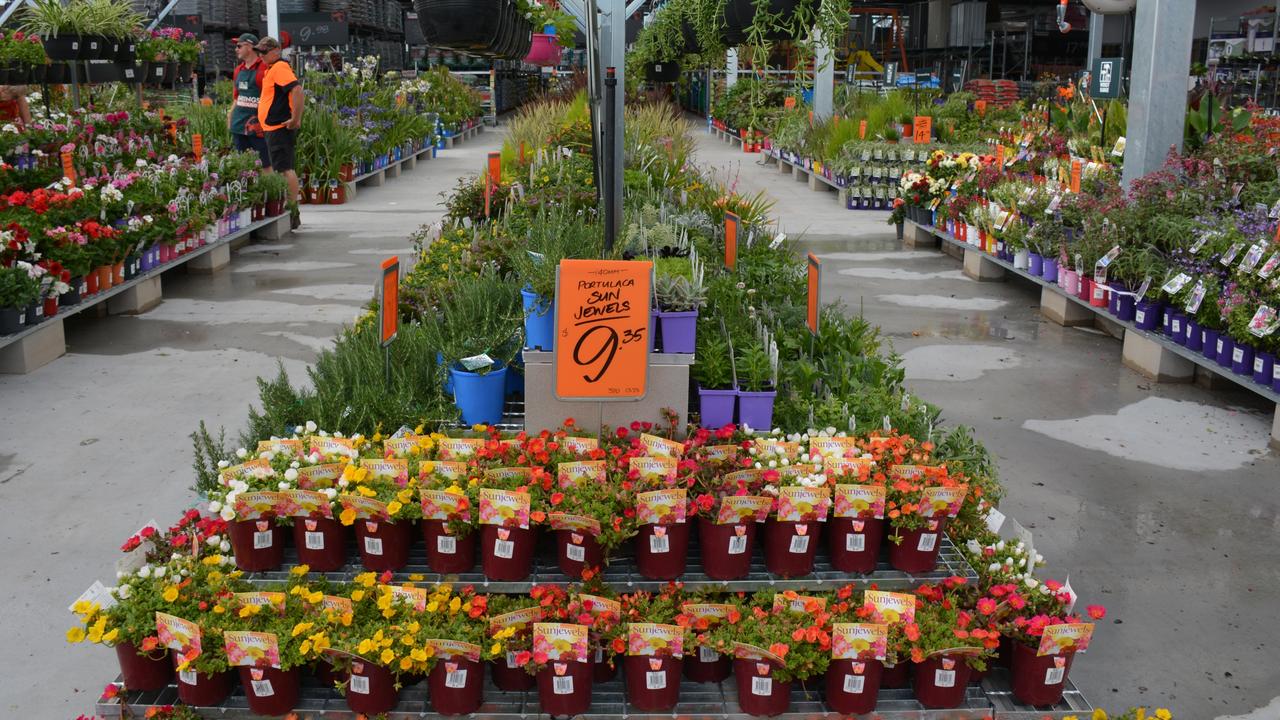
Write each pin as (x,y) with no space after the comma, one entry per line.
(708,666)
(1039,680)
(270,691)
(275,207)
(152,671)
(509,677)
(576,551)
(258,544)
(758,692)
(564,688)
(383,545)
(940,681)
(506,553)
(918,550)
(90,283)
(347,172)
(662,550)
(321,543)
(50,306)
(456,686)
(371,689)
(726,549)
(789,547)
(853,686)
(448,553)
(202,690)
(893,677)
(854,543)
(653,682)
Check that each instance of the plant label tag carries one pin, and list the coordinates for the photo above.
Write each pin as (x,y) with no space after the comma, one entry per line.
(707,655)
(1197,296)
(101,594)
(373,546)
(1269,267)
(1178,282)
(762,686)
(262,539)
(655,680)
(504,549)
(1237,355)
(456,679)
(928,541)
(853,684)
(446,544)
(1118,150)
(1199,243)
(576,553)
(995,519)
(359,684)
(511,661)
(799,544)
(1264,322)
(1251,258)
(1230,254)
(659,544)
(476,362)
(737,544)
(314,541)
(1143,288)
(855,542)
(1055,676)
(262,688)
(188,677)
(1110,257)
(944,678)
(562,685)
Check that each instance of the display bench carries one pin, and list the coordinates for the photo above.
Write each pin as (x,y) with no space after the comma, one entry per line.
(1154,355)
(40,344)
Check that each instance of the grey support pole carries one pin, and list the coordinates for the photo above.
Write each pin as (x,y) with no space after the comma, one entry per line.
(823,77)
(1097,24)
(613,46)
(730,67)
(1158,89)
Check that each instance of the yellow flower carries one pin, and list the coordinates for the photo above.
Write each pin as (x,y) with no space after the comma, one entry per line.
(405,663)
(433,606)
(75,635)
(315,597)
(366,491)
(495,649)
(111,636)
(406,640)
(218,609)
(300,569)
(418,430)
(347,516)
(84,607)
(393,507)
(1164,714)
(417,577)
(364,647)
(357,595)
(455,605)
(386,657)
(454,490)
(170,593)
(211,560)
(1098,713)
(301,628)
(366,579)
(405,495)
(305,647)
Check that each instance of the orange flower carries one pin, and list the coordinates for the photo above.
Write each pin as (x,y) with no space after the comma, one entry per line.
(780,649)
(1067,92)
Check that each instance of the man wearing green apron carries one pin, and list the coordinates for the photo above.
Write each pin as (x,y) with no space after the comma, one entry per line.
(246,89)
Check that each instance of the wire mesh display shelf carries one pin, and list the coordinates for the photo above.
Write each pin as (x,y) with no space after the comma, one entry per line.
(622,574)
(997,687)
(608,702)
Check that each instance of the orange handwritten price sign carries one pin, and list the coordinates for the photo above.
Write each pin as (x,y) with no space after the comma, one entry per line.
(602,312)
(68,169)
(815,300)
(491,179)
(862,129)
(1000,155)
(389,310)
(922,130)
(981,107)
(1075,176)
(730,240)
(197,146)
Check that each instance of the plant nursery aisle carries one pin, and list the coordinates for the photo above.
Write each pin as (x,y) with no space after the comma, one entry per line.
(135,386)
(1128,481)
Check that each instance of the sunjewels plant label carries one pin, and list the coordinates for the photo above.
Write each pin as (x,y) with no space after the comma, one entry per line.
(454,649)
(304,503)
(833,447)
(444,505)
(797,603)
(255,505)
(660,467)
(319,476)
(402,447)
(660,446)
(802,504)
(1066,638)
(178,634)
(578,523)
(572,474)
(508,508)
(564,642)
(859,641)
(893,607)
(662,507)
(736,509)
(581,445)
(942,501)
(251,649)
(445,469)
(860,501)
(389,469)
(458,448)
(653,639)
(518,619)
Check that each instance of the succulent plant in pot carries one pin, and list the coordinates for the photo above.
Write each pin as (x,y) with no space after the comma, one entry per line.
(680,292)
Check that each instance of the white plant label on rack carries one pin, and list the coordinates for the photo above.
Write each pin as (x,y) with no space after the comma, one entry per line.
(562,685)
(799,544)
(262,688)
(1269,267)
(855,542)
(944,678)
(575,553)
(707,655)
(456,678)
(761,686)
(853,684)
(314,540)
(373,546)
(1110,257)
(1264,322)
(1176,284)
(1230,255)
(188,677)
(1054,675)
(96,593)
(655,680)
(1071,594)
(504,549)
(1251,258)
(1143,288)
(659,544)
(995,519)
(1197,297)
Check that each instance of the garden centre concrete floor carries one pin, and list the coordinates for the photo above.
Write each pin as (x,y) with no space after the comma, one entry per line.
(1159,500)
(94,445)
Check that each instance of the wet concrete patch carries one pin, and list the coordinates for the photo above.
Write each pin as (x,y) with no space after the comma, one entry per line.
(1270,712)
(265,248)
(231,312)
(942,302)
(1176,434)
(352,292)
(884,273)
(877,256)
(309,341)
(957,363)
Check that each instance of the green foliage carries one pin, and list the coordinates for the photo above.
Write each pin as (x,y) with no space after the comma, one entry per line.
(482,316)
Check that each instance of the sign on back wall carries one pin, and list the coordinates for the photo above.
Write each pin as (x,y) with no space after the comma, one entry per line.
(1105,77)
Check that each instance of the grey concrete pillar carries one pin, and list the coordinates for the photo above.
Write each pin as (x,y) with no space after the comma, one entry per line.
(1097,25)
(1158,88)
(613,46)
(730,67)
(823,77)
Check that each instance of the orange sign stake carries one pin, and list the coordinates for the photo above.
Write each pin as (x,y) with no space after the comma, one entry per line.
(922,130)
(68,169)
(389,309)
(815,280)
(862,129)
(981,107)
(197,146)
(1075,176)
(730,240)
(602,316)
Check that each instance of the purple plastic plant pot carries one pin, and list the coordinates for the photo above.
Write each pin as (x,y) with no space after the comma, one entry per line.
(1126,307)
(1166,317)
(1242,359)
(1275,375)
(1194,336)
(653,331)
(1147,315)
(1049,269)
(1209,343)
(1225,346)
(1113,298)
(716,407)
(755,408)
(1035,264)
(1263,365)
(679,331)
(1178,327)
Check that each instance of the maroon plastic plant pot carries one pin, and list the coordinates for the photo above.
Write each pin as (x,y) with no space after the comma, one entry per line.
(371,689)
(1039,680)
(653,682)
(201,689)
(506,553)
(940,681)
(383,545)
(576,551)
(894,677)
(270,691)
(144,672)
(662,551)
(789,547)
(726,549)
(564,688)
(708,666)
(853,686)
(456,686)
(758,693)
(602,670)
(448,553)
(326,675)
(258,545)
(854,543)
(918,551)
(510,679)
(321,543)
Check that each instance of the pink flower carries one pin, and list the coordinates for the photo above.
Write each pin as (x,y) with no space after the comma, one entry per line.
(1097,612)
(986,606)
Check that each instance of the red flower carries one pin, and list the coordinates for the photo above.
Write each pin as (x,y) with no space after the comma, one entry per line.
(1097,612)
(986,606)
(557,498)
(110,691)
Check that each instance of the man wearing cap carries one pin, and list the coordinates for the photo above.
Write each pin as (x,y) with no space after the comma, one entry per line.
(280,112)
(246,90)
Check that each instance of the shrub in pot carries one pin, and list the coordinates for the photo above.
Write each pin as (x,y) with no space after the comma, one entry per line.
(717,394)
(586,513)
(757,364)
(555,234)
(680,292)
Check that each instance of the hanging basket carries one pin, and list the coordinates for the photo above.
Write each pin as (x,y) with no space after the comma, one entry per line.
(544,50)
(662,72)
(463,25)
(62,47)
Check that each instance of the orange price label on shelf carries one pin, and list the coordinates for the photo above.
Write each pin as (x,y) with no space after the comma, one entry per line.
(602,312)
(980,106)
(1075,176)
(389,310)
(68,169)
(815,279)
(197,146)
(789,102)
(922,130)
(730,240)
(862,129)
(1000,155)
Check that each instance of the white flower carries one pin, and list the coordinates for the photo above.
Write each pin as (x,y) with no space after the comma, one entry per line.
(140,163)
(773,463)
(974,547)
(298,429)
(119,574)
(227,514)
(282,485)
(224,546)
(214,506)
(343,482)
(993,567)
(239,486)
(123,592)
(223,464)
(315,457)
(175,556)
(291,474)
(160,571)
(1000,546)
(330,493)
(337,434)
(311,426)
(185,572)
(144,571)
(267,455)
(242,453)
(295,464)
(211,541)
(1031,582)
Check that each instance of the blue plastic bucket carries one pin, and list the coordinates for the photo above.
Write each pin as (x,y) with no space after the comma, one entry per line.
(479,397)
(539,321)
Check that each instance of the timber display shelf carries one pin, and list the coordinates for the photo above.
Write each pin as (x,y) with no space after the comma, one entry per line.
(379,177)
(1153,355)
(40,344)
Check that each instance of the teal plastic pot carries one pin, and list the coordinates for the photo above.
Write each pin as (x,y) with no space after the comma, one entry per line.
(479,397)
